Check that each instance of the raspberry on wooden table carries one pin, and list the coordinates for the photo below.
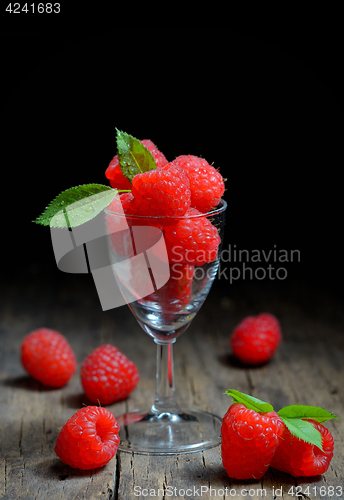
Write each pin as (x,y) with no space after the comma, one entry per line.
(249,441)
(299,458)
(89,439)
(108,376)
(256,338)
(47,356)
(293,440)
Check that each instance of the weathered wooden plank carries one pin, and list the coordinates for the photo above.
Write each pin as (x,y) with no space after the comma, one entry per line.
(31,414)
(307,368)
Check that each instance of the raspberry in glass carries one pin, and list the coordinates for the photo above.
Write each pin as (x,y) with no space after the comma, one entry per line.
(47,356)
(162,192)
(125,241)
(158,156)
(176,293)
(256,338)
(108,376)
(206,183)
(114,173)
(192,240)
(299,458)
(89,439)
(249,441)
(123,203)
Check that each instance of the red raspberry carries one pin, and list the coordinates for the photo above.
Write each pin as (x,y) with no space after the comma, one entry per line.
(47,357)
(192,240)
(299,458)
(108,376)
(123,203)
(118,227)
(162,192)
(206,183)
(89,439)
(249,441)
(114,173)
(159,157)
(256,339)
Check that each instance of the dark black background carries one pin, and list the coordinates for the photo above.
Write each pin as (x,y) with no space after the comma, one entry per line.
(265,106)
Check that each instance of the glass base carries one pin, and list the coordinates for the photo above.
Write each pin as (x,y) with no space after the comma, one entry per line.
(168,433)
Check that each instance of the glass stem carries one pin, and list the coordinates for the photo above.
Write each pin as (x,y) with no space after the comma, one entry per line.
(165,397)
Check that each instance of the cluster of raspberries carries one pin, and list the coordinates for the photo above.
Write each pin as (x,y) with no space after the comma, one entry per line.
(179,195)
(254,441)
(176,198)
(186,188)
(173,187)
(251,441)
(90,437)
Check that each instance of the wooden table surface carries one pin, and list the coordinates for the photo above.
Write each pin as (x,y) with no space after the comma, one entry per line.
(308,368)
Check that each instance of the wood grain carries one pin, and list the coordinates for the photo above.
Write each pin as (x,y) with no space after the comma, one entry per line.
(308,368)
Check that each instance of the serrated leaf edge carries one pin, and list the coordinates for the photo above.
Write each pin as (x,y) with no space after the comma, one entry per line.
(251,400)
(76,209)
(329,414)
(287,423)
(45,221)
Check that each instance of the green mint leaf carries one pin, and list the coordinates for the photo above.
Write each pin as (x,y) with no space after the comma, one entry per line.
(303,430)
(134,158)
(77,205)
(249,401)
(303,411)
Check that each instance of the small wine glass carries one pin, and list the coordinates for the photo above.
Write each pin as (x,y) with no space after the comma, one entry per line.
(164,314)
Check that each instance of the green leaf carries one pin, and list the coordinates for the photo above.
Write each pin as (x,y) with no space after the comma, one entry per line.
(134,158)
(303,411)
(304,430)
(77,205)
(249,401)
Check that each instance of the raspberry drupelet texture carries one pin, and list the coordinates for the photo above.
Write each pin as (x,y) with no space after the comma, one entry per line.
(192,240)
(47,356)
(107,375)
(299,458)
(206,183)
(164,191)
(256,338)
(249,441)
(114,173)
(89,439)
